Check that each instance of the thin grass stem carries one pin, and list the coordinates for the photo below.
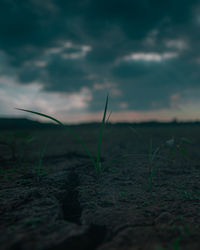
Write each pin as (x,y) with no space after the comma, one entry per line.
(98,166)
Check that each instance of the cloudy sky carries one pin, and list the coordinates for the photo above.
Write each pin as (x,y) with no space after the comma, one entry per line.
(62,58)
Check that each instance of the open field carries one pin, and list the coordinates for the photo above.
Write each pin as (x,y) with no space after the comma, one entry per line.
(147,197)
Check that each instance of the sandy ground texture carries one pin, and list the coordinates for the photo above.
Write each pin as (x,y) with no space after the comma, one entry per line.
(53,198)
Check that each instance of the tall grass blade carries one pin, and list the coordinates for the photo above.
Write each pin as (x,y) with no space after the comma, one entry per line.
(98,163)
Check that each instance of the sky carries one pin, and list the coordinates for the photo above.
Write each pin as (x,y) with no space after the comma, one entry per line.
(62,58)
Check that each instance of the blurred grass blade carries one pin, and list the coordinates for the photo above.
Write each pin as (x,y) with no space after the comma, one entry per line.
(108,117)
(183,151)
(185,140)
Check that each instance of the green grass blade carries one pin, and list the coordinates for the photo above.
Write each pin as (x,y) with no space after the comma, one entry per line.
(185,140)
(100,136)
(41,114)
(70,131)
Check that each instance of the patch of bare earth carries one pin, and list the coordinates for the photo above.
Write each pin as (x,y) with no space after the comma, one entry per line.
(70,206)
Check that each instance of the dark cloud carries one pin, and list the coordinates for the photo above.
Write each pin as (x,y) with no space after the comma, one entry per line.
(146,84)
(28,74)
(64,75)
(31,29)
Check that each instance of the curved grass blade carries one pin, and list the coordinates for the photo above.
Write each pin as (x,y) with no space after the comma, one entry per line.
(70,131)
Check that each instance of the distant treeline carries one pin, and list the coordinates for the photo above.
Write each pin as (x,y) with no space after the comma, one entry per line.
(23,123)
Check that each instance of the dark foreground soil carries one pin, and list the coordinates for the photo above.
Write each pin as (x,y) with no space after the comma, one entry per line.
(61,202)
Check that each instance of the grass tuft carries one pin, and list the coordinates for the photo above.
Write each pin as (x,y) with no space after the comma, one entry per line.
(96,161)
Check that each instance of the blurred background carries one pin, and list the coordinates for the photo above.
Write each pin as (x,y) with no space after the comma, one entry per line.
(62,58)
